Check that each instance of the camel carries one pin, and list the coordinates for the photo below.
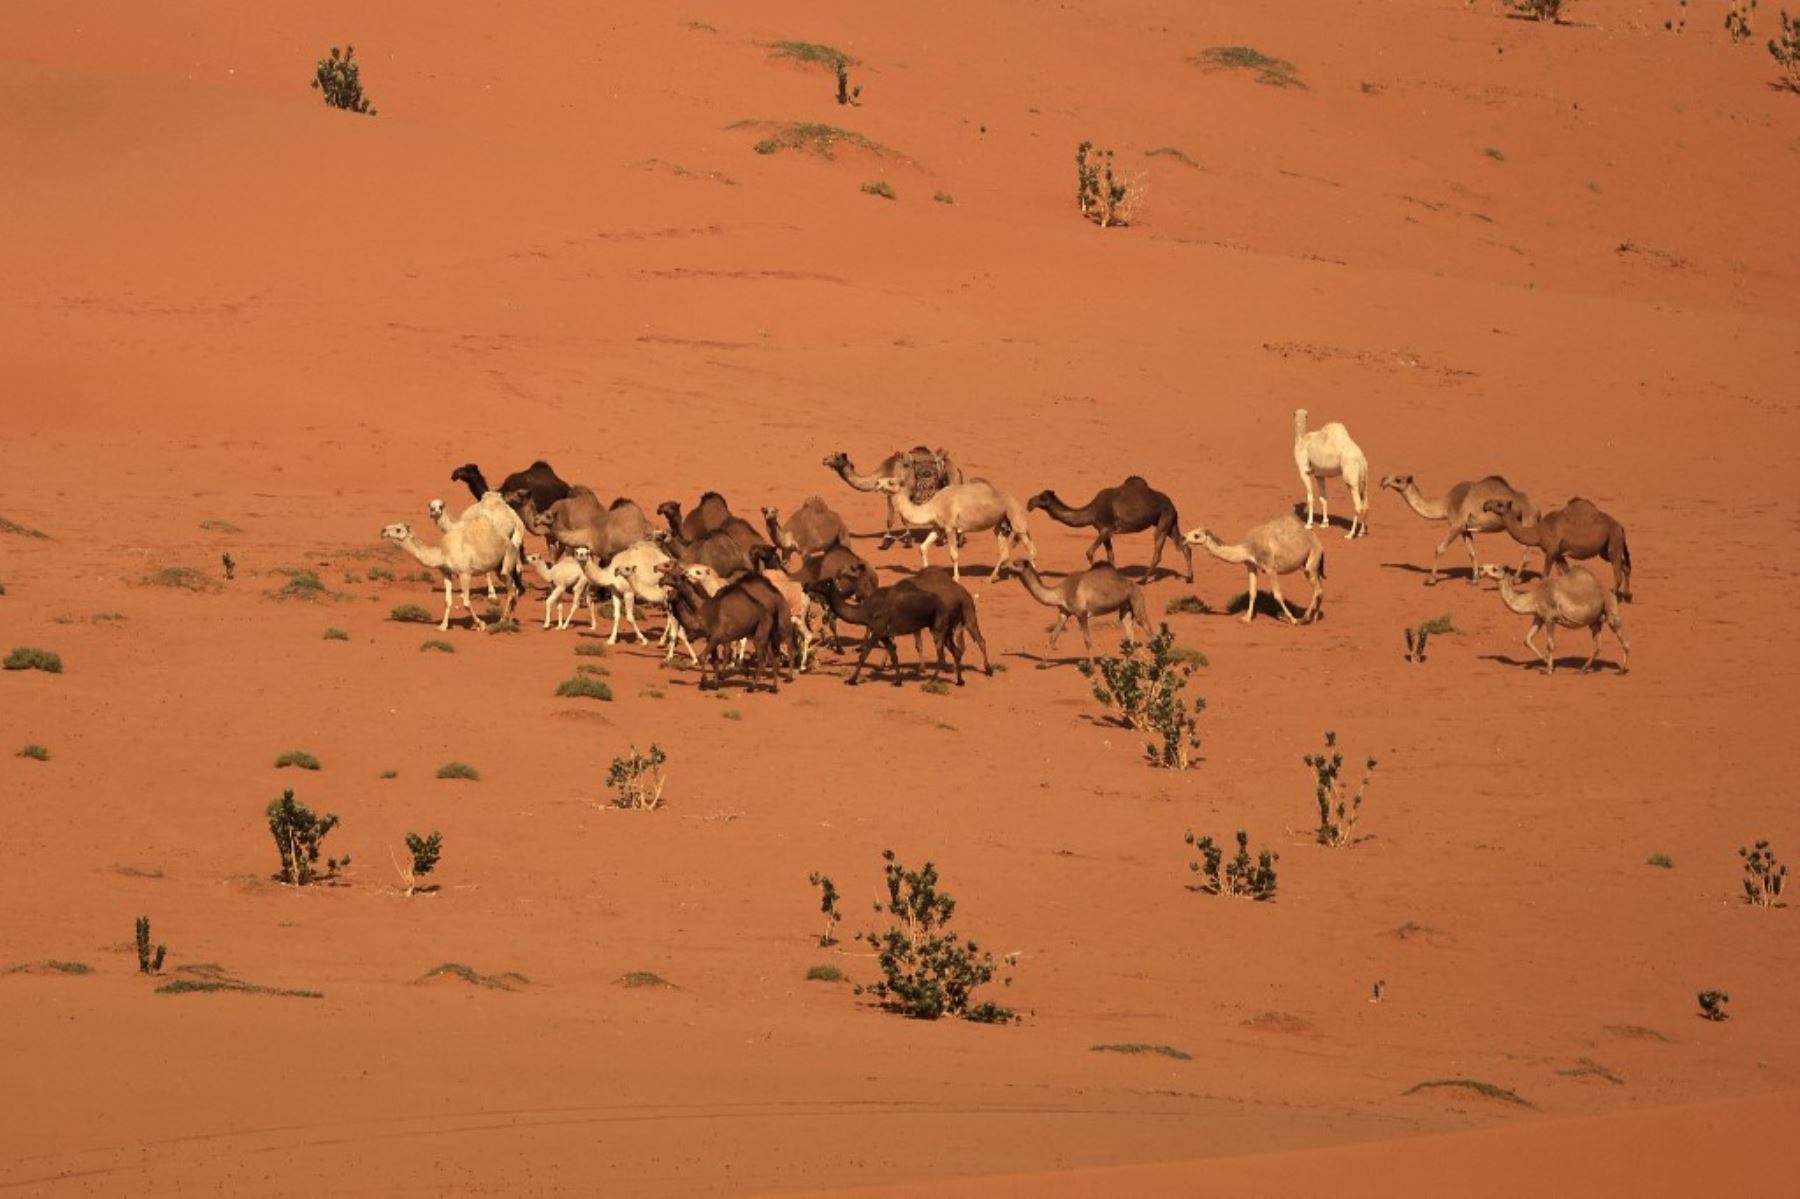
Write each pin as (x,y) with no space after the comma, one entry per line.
(960,508)
(579,520)
(1462,508)
(538,482)
(1571,597)
(812,527)
(1329,453)
(1097,591)
(1131,507)
(1277,547)
(465,550)
(805,616)
(922,473)
(565,577)
(641,580)
(710,513)
(888,613)
(493,508)
(1576,530)
(749,608)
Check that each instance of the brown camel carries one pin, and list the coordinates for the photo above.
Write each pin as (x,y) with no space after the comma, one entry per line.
(888,613)
(921,472)
(1097,591)
(1576,530)
(1131,507)
(1277,547)
(812,527)
(1462,509)
(579,520)
(746,610)
(1571,597)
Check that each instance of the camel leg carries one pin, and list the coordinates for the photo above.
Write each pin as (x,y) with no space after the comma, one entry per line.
(631,618)
(1532,645)
(894,658)
(1438,553)
(1550,648)
(1250,608)
(1595,656)
(1087,637)
(449,606)
(1306,478)
(682,635)
(550,602)
(1475,566)
(1275,590)
(1101,542)
(613,638)
(1062,618)
(1318,596)
(473,615)
(1616,622)
(1359,500)
(861,657)
(1187,552)
(925,549)
(1324,506)
(493,596)
(1160,536)
(1002,550)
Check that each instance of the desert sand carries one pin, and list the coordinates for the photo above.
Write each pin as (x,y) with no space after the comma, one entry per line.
(240,322)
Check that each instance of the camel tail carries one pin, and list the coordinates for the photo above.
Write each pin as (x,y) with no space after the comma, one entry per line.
(1624,550)
(1140,610)
(1321,564)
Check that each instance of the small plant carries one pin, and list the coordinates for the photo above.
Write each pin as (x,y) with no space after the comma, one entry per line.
(1100,194)
(928,972)
(459,770)
(1137,1047)
(410,614)
(148,962)
(1495,153)
(943,197)
(1239,877)
(389,774)
(643,978)
(935,687)
(732,714)
(828,897)
(1172,152)
(880,187)
(301,584)
(1785,49)
(340,79)
(182,578)
(1764,876)
(1334,796)
(35,752)
(824,974)
(1712,1005)
(297,757)
(505,981)
(19,530)
(380,574)
(1187,605)
(27,658)
(1486,1090)
(229,564)
(1417,638)
(845,93)
(1275,72)
(637,779)
(583,686)
(1541,10)
(425,852)
(435,646)
(1147,694)
(298,833)
(590,649)
(812,52)
(808,137)
(1678,23)
(336,634)
(589,668)
(205,977)
(508,625)
(1737,20)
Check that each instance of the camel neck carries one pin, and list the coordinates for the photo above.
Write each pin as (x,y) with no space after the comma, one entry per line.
(1035,585)
(1420,504)
(1226,553)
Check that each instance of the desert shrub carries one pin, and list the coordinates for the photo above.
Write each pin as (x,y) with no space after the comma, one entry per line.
(1495,153)
(508,980)
(1240,876)
(389,774)
(879,187)
(436,647)
(1189,605)
(590,668)
(845,93)
(183,578)
(824,974)
(1661,860)
(1541,10)
(297,757)
(230,565)
(812,52)
(340,80)
(1146,691)
(35,752)
(943,197)
(148,962)
(1173,152)
(1785,49)
(808,137)
(336,634)
(637,779)
(509,625)
(1137,1047)
(1338,809)
(380,574)
(643,978)
(1276,72)
(410,613)
(204,977)
(590,649)
(1486,1090)
(583,686)
(301,584)
(935,687)
(732,714)
(1764,876)
(1416,638)
(459,770)
(828,897)
(27,658)
(928,971)
(1712,1004)
(298,834)
(1737,20)
(1101,195)
(19,530)
(424,853)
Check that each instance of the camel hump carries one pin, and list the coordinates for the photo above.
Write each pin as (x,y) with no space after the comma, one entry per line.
(1499,481)
(1136,481)
(816,503)
(623,501)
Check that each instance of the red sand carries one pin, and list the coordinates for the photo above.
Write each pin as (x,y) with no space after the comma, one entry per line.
(227,303)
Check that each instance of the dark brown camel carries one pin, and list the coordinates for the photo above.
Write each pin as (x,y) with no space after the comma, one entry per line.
(889,613)
(717,549)
(742,611)
(1131,507)
(1576,530)
(711,515)
(937,581)
(538,481)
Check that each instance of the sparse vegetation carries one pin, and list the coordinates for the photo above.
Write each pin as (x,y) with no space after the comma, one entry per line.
(1187,605)
(505,981)
(1171,152)
(508,625)
(340,80)
(183,578)
(880,187)
(19,530)
(380,574)
(1100,194)
(1495,153)
(943,197)
(298,834)
(1144,684)
(424,853)
(1660,860)
(812,52)
(1338,809)
(732,714)
(301,584)
(591,649)
(1239,877)
(807,137)
(336,634)
(1587,1067)
(410,613)
(27,658)
(927,971)
(1136,1047)
(935,687)
(1785,50)
(1486,1090)
(1737,20)
(1416,638)
(824,974)
(1276,72)
(583,686)
(1540,10)
(434,646)
(1764,876)
(845,93)
(210,976)
(219,526)
(389,774)
(149,962)
(1712,1005)
(35,752)
(297,757)
(590,668)
(643,978)
(637,779)
(828,897)
(459,770)
(50,966)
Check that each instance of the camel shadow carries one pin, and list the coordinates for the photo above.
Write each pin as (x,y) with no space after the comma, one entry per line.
(1045,661)
(1265,606)
(1334,522)
(1571,664)
(1445,574)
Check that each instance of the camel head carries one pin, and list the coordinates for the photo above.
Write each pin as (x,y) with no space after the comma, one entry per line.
(535,558)
(764,557)
(399,532)
(583,554)
(1397,482)
(1494,570)
(704,577)
(1202,536)
(670,510)
(837,461)
(1299,420)
(469,473)
(540,521)
(435,509)
(770,513)
(893,486)
(1503,506)
(662,537)
(1042,499)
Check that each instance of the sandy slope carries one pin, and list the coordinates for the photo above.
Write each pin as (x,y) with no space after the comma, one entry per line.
(229,304)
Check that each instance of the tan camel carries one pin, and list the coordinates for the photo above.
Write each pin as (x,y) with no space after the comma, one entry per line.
(581,520)
(960,508)
(1097,591)
(1329,453)
(1462,509)
(1277,547)
(812,528)
(922,473)
(565,578)
(464,551)
(1576,530)
(493,508)
(1571,597)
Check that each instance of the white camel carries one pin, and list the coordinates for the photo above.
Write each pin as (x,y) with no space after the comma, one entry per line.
(493,508)
(466,549)
(960,508)
(631,575)
(565,578)
(1328,453)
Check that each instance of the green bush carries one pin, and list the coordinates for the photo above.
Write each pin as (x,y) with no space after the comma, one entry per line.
(458,770)
(183,578)
(336,634)
(340,80)
(1338,809)
(1785,50)
(879,187)
(411,613)
(1100,194)
(1764,876)
(1542,10)
(637,779)
(425,852)
(1240,877)
(35,752)
(148,962)
(824,974)
(583,686)
(27,658)
(436,646)
(297,757)
(927,971)
(298,834)
(1146,691)
(828,897)
(1275,72)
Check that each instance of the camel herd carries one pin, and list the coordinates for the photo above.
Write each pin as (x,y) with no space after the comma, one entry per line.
(759,599)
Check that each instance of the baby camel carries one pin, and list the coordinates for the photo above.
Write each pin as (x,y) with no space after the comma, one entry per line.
(1327,453)
(1571,597)
(1463,509)
(564,577)
(1097,591)
(971,507)
(1277,547)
